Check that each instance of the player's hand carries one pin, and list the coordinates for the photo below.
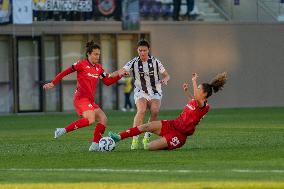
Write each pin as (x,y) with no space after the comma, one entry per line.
(164,81)
(122,72)
(48,86)
(185,86)
(194,76)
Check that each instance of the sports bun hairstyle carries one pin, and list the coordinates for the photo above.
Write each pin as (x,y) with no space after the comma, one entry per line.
(216,84)
(90,46)
(219,81)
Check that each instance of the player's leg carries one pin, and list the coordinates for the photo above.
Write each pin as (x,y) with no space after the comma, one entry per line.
(154,106)
(99,130)
(158,144)
(153,127)
(141,105)
(83,108)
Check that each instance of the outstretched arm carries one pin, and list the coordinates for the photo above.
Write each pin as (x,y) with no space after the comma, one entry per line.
(166,78)
(186,91)
(58,78)
(112,78)
(197,95)
(121,72)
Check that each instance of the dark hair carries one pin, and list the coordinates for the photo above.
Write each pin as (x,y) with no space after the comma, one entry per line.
(216,84)
(90,46)
(144,43)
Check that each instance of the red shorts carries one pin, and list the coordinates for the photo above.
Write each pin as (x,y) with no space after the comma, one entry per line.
(174,138)
(83,104)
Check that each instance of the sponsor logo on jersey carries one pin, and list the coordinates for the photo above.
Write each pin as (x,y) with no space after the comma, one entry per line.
(190,107)
(88,67)
(93,75)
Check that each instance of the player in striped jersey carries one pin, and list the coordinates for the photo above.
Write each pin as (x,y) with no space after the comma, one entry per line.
(145,70)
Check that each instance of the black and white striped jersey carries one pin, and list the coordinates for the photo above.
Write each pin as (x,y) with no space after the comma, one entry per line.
(146,74)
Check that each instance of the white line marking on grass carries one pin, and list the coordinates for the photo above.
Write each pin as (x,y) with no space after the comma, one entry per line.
(257,171)
(143,170)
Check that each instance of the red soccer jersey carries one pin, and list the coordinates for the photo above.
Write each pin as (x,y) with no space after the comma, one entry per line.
(88,75)
(87,78)
(190,117)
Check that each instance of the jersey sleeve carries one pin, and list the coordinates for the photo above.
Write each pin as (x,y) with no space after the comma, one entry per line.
(161,68)
(102,73)
(128,65)
(62,74)
(77,66)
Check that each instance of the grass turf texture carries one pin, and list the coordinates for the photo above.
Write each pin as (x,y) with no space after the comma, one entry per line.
(250,140)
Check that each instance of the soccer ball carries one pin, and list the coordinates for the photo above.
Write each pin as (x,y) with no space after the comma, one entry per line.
(106,144)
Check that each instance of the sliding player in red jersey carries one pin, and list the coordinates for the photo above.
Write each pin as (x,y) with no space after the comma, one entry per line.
(89,71)
(175,132)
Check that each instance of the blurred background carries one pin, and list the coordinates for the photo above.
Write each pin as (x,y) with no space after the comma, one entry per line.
(39,38)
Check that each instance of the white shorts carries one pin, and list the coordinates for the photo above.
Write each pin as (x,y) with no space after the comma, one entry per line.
(141,94)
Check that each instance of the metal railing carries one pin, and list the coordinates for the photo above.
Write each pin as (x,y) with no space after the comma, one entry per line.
(227,14)
(272,8)
(266,10)
(226,8)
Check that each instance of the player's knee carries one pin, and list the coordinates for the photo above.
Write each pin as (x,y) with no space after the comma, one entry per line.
(154,112)
(141,112)
(151,146)
(91,119)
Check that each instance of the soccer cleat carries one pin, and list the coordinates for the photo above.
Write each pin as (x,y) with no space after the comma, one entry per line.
(94,147)
(114,136)
(146,142)
(59,132)
(134,144)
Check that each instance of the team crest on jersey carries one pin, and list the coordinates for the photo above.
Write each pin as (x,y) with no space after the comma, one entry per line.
(88,67)
(97,69)
(90,105)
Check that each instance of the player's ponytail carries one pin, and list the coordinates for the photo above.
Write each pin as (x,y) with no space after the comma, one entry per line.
(90,46)
(216,84)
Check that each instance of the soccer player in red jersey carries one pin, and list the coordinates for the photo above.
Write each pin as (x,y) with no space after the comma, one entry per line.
(89,71)
(175,132)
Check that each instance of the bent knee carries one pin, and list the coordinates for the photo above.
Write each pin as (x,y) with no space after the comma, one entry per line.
(91,120)
(155,111)
(141,112)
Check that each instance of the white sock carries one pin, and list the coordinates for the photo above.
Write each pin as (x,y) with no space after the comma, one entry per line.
(147,135)
(136,137)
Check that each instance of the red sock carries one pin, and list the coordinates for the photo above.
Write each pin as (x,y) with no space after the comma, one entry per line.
(98,133)
(77,124)
(130,132)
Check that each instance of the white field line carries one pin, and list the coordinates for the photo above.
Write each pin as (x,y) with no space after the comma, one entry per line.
(142,170)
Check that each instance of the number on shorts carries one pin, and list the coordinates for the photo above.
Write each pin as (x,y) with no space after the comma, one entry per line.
(175,141)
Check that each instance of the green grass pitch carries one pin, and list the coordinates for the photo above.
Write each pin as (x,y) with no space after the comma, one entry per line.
(231,148)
